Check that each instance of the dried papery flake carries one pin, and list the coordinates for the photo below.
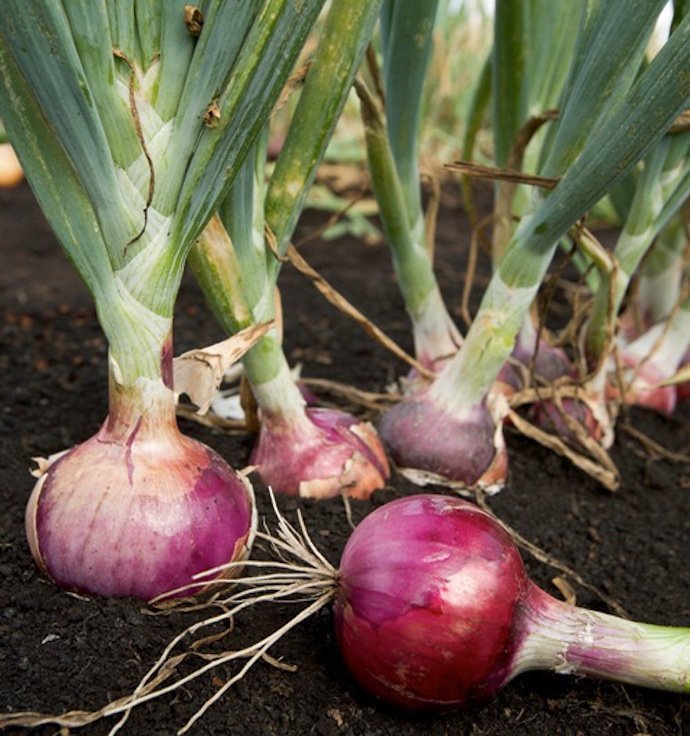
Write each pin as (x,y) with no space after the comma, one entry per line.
(193,19)
(198,373)
(212,114)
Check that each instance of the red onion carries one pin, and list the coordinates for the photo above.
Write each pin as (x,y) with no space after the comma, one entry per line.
(139,508)
(320,453)
(434,610)
(641,382)
(430,442)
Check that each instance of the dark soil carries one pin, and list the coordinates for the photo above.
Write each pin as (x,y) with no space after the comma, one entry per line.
(60,652)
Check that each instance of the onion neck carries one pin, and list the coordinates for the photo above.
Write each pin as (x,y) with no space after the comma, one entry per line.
(144,404)
(572,640)
(275,390)
(435,335)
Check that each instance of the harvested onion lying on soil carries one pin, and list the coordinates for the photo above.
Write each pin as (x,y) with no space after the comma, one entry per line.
(434,609)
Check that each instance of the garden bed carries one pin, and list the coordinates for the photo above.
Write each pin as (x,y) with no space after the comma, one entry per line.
(60,652)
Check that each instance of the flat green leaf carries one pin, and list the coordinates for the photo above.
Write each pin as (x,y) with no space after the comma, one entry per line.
(123,29)
(345,35)
(226,25)
(148,19)
(88,20)
(609,52)
(176,48)
(245,102)
(58,189)
(407,30)
(39,38)
(509,78)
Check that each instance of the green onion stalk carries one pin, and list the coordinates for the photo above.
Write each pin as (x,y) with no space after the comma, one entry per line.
(610,119)
(658,295)
(392,141)
(660,291)
(662,187)
(648,364)
(532,54)
(659,285)
(301,450)
(131,120)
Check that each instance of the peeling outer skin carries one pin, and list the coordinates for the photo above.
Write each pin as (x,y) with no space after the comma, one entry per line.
(43,463)
(429,445)
(244,544)
(328,454)
(645,390)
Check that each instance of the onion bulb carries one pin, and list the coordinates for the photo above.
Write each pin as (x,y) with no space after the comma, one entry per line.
(430,443)
(319,453)
(138,509)
(434,610)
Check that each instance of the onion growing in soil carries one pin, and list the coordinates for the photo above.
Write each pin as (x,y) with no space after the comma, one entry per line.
(138,509)
(121,137)
(306,451)
(315,452)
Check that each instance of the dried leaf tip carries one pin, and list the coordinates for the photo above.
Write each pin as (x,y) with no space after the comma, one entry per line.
(212,114)
(193,19)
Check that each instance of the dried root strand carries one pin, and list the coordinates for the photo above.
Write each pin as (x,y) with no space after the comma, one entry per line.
(300,573)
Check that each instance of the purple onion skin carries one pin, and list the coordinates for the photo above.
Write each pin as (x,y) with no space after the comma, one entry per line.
(137,516)
(550,363)
(429,591)
(420,435)
(434,611)
(328,453)
(547,415)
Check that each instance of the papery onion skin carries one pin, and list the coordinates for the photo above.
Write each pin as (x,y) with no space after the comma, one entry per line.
(426,603)
(138,516)
(320,454)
